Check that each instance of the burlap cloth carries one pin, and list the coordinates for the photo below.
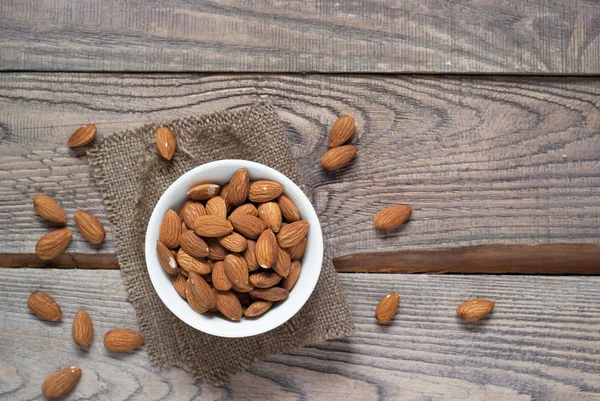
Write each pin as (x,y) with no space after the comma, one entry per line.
(132,177)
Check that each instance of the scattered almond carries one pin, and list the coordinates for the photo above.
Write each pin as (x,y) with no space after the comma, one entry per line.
(219,278)
(190,212)
(44,306)
(49,209)
(61,382)
(264,191)
(272,294)
(247,208)
(166,258)
(238,189)
(387,307)
(341,131)
(90,227)
(296,251)
(229,305)
(52,244)
(474,309)
(236,269)
(292,233)
(193,245)
(289,282)
(122,340)
(247,225)
(82,329)
(337,158)
(234,242)
(213,226)
(166,142)
(203,191)
(191,264)
(83,136)
(271,214)
(266,249)
(282,263)
(257,308)
(265,279)
(170,229)
(392,217)
(288,209)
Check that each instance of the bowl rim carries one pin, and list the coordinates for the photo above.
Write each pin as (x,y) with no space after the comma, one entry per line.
(156,277)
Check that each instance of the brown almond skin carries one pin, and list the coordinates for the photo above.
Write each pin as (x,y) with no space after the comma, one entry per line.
(243,288)
(387,307)
(190,212)
(257,308)
(270,213)
(297,251)
(90,227)
(179,282)
(265,279)
(341,131)
(282,263)
(170,229)
(166,259)
(49,209)
(44,306)
(272,294)
(392,217)
(204,294)
(234,242)
(203,191)
(290,281)
(191,264)
(213,226)
(238,189)
(122,340)
(52,244)
(236,270)
(216,207)
(193,245)
(216,251)
(219,278)
(229,305)
(474,309)
(250,256)
(266,249)
(249,226)
(337,158)
(292,233)
(61,382)
(192,298)
(264,191)
(166,142)
(289,211)
(82,329)
(83,136)
(247,208)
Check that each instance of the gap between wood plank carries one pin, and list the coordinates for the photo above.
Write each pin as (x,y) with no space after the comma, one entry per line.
(489,259)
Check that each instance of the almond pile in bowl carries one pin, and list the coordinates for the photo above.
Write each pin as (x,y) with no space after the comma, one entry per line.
(235,249)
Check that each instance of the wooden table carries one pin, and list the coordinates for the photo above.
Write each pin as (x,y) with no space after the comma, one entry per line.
(500,161)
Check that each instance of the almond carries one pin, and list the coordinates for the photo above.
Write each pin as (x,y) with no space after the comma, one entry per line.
(213,226)
(184,273)
(219,278)
(250,256)
(336,158)
(216,251)
(83,136)
(257,308)
(272,294)
(203,293)
(266,249)
(247,208)
(271,214)
(265,279)
(190,212)
(61,382)
(203,191)
(52,244)
(264,191)
(288,209)
(387,307)
(392,217)
(238,189)
(170,229)
(193,245)
(49,209)
(283,263)
(166,258)
(90,227)
(216,207)
(192,298)
(44,306)
(292,233)
(229,305)
(244,298)
(247,225)
(297,251)
(236,270)
(341,131)
(289,282)
(184,227)
(82,329)
(474,309)
(179,282)
(243,288)
(122,340)
(234,242)
(224,190)
(191,264)
(166,142)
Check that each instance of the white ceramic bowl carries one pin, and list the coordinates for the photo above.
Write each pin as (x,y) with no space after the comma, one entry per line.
(220,172)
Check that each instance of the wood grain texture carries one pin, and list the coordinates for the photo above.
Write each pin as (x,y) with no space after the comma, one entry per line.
(541,342)
(481,160)
(537,36)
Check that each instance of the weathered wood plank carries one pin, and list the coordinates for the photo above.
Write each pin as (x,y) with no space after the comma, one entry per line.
(537,36)
(481,160)
(540,343)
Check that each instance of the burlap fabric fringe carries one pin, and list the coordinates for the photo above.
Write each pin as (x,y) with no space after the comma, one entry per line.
(131,177)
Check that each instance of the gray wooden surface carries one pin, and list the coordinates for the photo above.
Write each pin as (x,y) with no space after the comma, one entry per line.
(510,36)
(541,343)
(481,160)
